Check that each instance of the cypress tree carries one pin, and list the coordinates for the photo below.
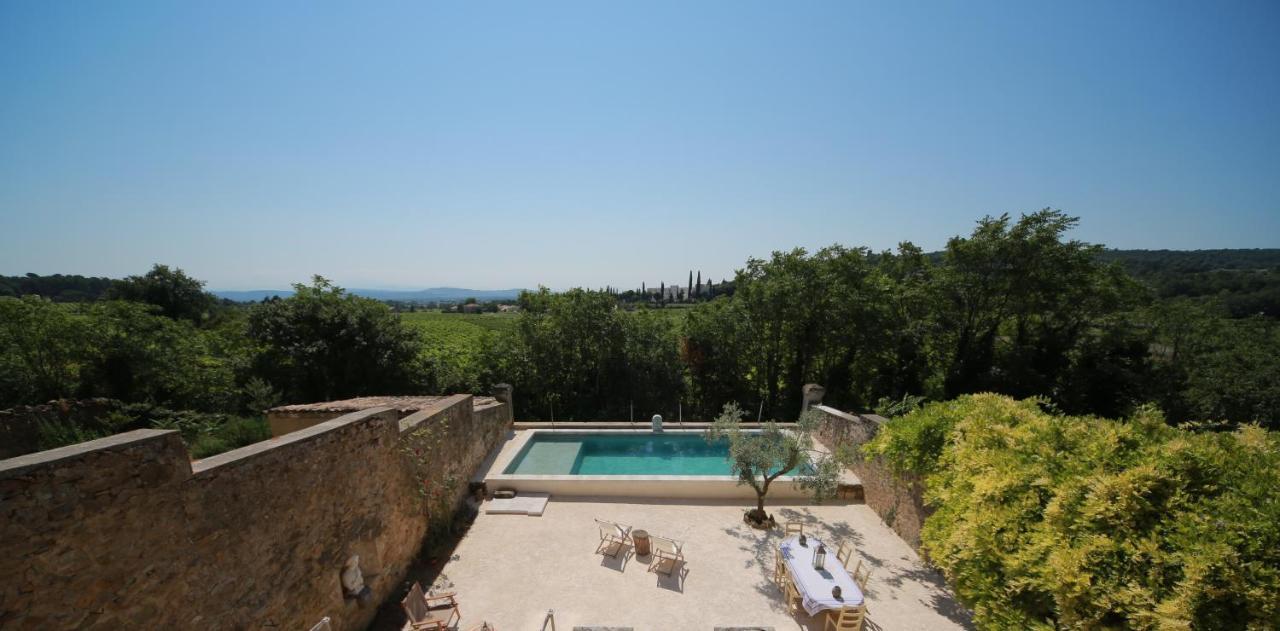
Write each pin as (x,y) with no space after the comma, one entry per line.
(697,288)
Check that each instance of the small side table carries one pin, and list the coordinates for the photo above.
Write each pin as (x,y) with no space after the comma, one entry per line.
(641,540)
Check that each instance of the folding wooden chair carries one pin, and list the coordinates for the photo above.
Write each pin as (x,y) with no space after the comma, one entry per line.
(438,613)
(666,553)
(612,537)
(794,528)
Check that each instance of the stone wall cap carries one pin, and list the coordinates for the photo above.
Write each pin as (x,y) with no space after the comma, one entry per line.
(402,404)
(248,453)
(849,416)
(21,464)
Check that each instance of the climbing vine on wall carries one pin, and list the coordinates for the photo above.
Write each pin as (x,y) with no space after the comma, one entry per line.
(437,488)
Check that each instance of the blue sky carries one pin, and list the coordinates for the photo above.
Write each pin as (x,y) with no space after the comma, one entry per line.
(495,145)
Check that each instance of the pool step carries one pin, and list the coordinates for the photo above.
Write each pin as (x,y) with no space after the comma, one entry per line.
(849,488)
(522,504)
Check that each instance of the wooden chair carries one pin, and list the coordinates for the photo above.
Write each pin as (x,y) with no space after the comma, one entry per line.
(438,613)
(847,619)
(791,596)
(845,554)
(666,553)
(793,528)
(779,569)
(860,576)
(612,537)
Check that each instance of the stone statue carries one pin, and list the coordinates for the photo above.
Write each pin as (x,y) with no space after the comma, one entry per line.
(352,579)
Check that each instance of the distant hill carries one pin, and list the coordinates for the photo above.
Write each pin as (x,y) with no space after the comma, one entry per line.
(1147,262)
(434,294)
(1245,282)
(56,287)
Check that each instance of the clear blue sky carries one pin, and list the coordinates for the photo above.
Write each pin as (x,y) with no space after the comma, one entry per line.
(509,145)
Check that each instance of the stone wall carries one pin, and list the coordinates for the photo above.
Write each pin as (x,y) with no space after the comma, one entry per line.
(127,532)
(898,499)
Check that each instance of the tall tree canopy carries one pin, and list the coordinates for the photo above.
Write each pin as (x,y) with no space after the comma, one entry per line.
(177,295)
(322,343)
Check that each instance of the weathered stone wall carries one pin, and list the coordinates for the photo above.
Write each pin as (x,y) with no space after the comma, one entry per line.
(126,532)
(898,499)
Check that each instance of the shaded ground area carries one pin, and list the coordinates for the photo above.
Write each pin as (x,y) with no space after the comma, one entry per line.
(509,570)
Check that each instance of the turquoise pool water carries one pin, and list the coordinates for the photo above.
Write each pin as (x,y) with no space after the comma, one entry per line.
(621,454)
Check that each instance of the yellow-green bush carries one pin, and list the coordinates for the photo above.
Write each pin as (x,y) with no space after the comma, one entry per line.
(1048,521)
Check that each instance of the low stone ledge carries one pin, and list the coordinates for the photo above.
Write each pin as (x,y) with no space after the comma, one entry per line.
(635,425)
(411,422)
(26,463)
(243,455)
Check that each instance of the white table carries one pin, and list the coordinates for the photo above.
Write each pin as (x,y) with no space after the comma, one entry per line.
(815,585)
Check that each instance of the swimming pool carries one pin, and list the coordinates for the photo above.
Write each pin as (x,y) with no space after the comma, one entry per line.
(604,454)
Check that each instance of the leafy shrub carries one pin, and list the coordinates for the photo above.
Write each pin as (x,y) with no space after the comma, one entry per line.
(1047,521)
(205,434)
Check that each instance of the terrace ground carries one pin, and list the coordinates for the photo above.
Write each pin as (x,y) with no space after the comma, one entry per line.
(508,570)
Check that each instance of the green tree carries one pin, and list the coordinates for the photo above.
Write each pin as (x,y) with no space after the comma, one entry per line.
(141,356)
(581,355)
(1015,298)
(842,317)
(322,343)
(759,457)
(43,348)
(177,295)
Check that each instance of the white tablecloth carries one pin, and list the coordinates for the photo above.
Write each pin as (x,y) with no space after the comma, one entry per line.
(815,585)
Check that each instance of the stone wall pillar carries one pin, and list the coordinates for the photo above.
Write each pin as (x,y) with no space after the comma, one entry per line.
(506,394)
(811,395)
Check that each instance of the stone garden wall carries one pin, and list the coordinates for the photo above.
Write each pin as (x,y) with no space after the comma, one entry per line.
(127,532)
(898,499)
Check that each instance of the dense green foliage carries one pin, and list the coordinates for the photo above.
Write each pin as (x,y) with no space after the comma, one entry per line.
(322,344)
(1245,282)
(205,434)
(578,356)
(1050,521)
(1015,308)
(453,345)
(177,295)
(56,287)
(116,349)
(164,344)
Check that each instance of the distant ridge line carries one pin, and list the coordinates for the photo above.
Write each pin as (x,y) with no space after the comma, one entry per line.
(434,294)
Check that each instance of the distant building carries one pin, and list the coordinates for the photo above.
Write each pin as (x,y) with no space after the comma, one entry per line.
(673,292)
(508,308)
(471,308)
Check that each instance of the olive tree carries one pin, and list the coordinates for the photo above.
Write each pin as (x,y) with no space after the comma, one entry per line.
(758,457)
